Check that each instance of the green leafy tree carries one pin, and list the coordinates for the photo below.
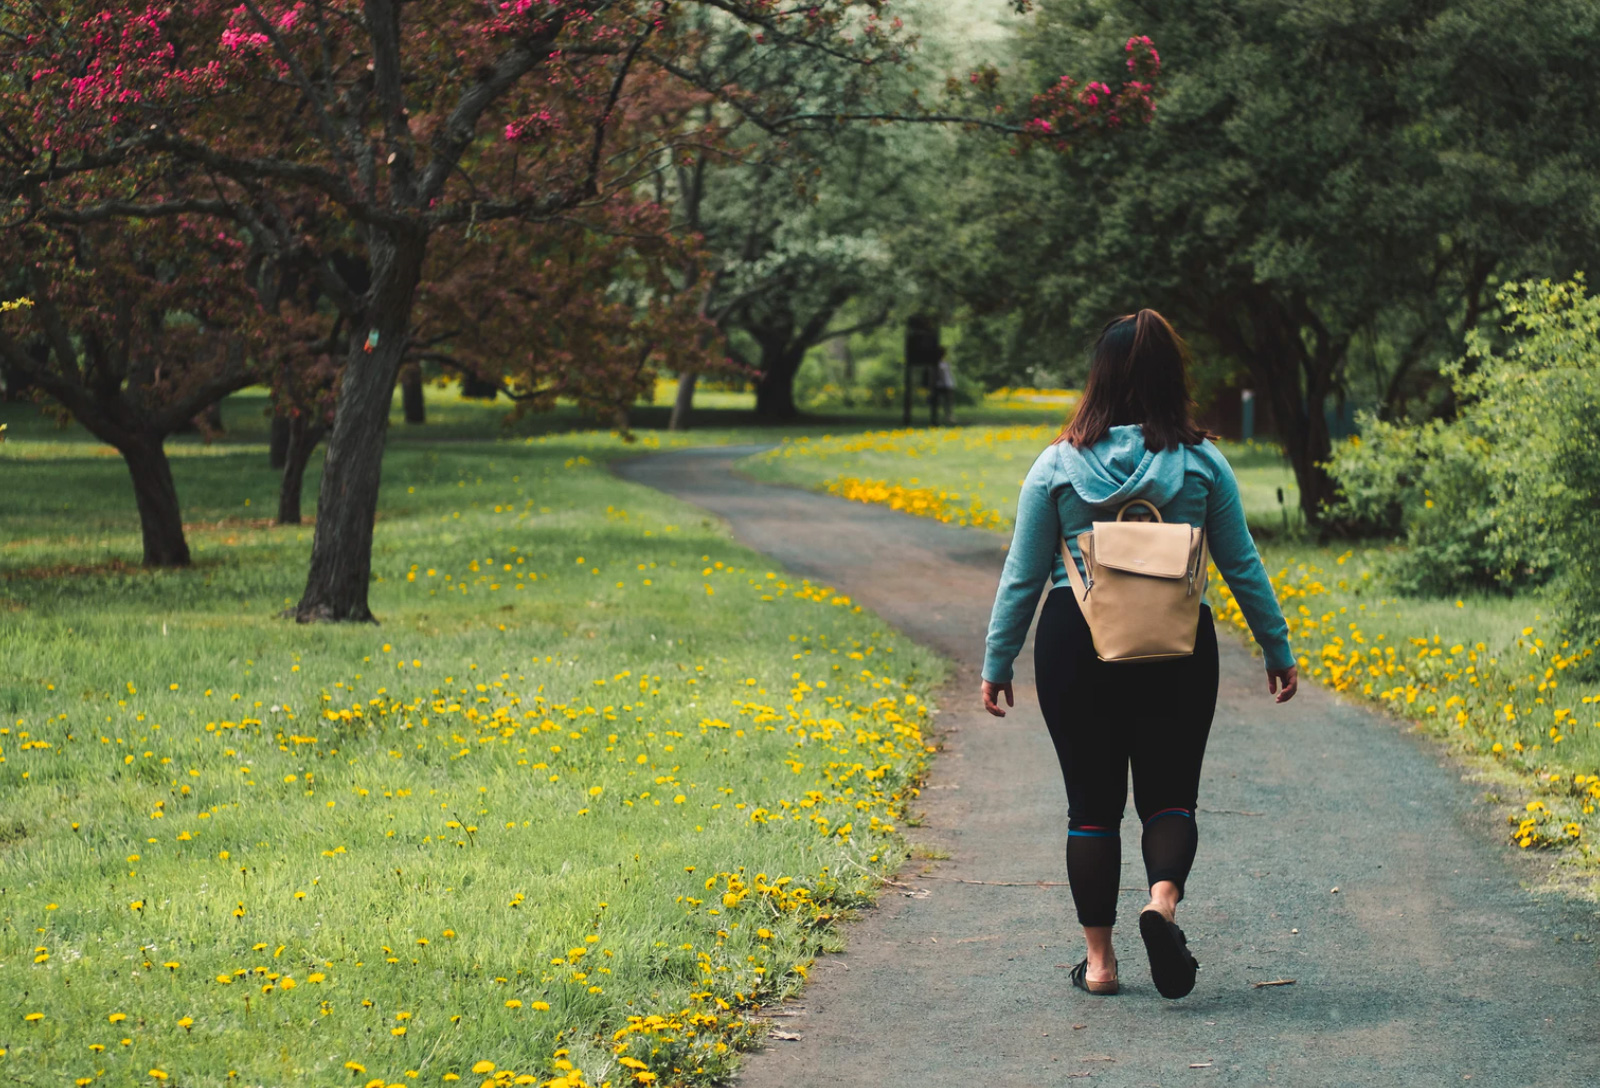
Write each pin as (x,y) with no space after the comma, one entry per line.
(810,219)
(1507,490)
(1536,401)
(800,252)
(1324,183)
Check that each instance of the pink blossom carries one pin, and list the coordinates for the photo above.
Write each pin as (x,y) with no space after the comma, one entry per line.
(531,127)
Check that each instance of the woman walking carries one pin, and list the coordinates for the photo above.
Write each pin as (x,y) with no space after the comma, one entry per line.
(1131,438)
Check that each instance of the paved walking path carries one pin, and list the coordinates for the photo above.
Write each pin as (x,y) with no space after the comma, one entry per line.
(1429,966)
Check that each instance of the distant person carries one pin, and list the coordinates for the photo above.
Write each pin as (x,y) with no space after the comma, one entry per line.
(1131,437)
(942,390)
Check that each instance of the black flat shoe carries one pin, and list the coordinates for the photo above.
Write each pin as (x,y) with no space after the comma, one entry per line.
(1172,967)
(1080,978)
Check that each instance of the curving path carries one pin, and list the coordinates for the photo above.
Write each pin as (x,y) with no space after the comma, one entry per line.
(1429,966)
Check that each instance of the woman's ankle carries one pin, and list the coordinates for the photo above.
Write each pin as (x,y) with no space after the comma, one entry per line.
(1102,960)
(1164,897)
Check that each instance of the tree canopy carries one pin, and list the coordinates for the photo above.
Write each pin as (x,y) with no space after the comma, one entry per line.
(1325,201)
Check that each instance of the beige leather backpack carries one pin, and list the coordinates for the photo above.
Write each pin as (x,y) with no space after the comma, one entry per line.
(1146,580)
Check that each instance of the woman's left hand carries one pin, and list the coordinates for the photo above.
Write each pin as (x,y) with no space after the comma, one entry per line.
(991,697)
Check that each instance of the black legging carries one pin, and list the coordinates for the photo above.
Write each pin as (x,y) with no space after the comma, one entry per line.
(1102,716)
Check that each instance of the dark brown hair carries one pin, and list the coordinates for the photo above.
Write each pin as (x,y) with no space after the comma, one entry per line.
(1138,374)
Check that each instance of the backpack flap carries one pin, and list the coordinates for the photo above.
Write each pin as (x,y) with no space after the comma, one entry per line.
(1153,549)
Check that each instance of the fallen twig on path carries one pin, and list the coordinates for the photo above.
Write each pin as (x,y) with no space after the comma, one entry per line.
(1274,982)
(786,1036)
(1016,883)
(1230,812)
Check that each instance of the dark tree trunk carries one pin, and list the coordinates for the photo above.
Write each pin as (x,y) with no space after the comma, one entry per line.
(683,403)
(347,502)
(476,388)
(160,517)
(775,397)
(13,382)
(1301,416)
(1309,450)
(839,348)
(278,442)
(1296,381)
(775,391)
(411,399)
(303,438)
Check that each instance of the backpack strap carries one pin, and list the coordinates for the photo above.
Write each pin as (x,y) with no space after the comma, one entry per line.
(1078,587)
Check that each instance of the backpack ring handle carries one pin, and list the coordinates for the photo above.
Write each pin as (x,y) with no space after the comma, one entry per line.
(1139,502)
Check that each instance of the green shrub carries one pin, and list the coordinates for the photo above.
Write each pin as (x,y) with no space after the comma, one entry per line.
(1538,399)
(1428,484)
(1507,491)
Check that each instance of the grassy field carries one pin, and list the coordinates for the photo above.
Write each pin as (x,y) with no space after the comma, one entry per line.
(601,781)
(1489,675)
(971,475)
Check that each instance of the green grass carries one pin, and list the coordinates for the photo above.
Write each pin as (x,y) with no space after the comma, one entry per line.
(596,757)
(1492,676)
(974,472)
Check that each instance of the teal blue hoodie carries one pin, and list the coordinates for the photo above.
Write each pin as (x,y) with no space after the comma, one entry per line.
(1067,489)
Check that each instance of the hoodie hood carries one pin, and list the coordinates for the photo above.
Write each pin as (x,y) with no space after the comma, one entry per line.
(1118,469)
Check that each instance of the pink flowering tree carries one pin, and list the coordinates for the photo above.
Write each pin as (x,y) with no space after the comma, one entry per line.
(316,129)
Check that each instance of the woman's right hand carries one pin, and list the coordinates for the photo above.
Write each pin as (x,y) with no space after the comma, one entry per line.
(991,697)
(1283,682)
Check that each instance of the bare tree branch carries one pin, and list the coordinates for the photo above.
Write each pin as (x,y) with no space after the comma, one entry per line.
(302,80)
(459,129)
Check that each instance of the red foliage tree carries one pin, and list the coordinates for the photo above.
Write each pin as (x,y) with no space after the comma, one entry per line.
(394,122)
(321,128)
(135,333)
(585,311)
